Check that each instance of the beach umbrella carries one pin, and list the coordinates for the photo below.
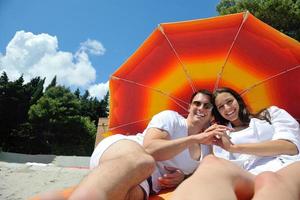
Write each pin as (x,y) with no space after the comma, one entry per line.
(237,51)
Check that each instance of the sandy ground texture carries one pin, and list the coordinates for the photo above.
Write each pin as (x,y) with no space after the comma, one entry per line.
(22,178)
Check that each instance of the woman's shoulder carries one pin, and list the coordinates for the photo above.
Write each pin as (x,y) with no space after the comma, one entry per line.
(275,110)
(280,114)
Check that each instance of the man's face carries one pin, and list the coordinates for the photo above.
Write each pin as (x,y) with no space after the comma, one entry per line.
(201,109)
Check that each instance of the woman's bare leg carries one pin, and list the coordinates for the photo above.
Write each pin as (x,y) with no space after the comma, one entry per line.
(121,168)
(283,184)
(216,179)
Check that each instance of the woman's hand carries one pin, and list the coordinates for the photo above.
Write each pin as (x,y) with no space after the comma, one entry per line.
(225,143)
(171,179)
(211,134)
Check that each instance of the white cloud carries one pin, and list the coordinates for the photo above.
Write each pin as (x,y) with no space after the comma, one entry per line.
(93,47)
(99,90)
(38,55)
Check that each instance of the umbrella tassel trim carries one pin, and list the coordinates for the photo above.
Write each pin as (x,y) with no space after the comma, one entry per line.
(174,99)
(270,78)
(160,28)
(230,50)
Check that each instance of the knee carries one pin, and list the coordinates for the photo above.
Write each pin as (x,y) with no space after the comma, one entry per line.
(148,162)
(224,167)
(210,163)
(266,178)
(143,162)
(211,160)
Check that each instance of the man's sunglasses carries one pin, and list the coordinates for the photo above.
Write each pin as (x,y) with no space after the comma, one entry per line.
(206,106)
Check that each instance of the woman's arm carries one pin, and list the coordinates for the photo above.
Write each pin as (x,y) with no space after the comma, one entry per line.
(285,128)
(285,139)
(267,148)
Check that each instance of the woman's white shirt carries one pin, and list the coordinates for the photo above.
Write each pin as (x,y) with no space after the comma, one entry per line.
(283,126)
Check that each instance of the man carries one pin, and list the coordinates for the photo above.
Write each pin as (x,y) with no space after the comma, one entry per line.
(122,164)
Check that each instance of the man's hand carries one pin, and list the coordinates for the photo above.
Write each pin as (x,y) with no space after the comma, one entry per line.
(171,179)
(225,142)
(211,134)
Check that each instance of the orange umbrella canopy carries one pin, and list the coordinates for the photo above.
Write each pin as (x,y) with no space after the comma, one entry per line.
(177,59)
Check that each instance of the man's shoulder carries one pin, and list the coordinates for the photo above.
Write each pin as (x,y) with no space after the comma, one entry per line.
(169,113)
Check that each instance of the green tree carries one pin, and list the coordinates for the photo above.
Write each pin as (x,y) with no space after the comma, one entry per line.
(34,90)
(52,84)
(3,79)
(86,95)
(77,93)
(104,106)
(12,101)
(15,101)
(57,120)
(284,15)
(91,107)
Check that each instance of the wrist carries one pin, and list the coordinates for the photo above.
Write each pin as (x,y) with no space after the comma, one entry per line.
(235,148)
(193,139)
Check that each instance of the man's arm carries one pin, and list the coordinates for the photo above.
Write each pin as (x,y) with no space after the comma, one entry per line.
(157,142)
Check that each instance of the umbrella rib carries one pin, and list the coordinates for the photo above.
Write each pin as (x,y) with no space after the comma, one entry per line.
(220,74)
(267,79)
(174,99)
(160,28)
(113,128)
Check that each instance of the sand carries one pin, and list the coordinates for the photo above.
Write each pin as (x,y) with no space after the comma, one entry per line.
(20,179)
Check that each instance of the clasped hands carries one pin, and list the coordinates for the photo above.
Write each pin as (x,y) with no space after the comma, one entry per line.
(221,137)
(213,135)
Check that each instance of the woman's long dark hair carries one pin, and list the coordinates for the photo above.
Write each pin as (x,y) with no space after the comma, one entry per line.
(244,113)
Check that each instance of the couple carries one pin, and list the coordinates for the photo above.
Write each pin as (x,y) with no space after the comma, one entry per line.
(246,149)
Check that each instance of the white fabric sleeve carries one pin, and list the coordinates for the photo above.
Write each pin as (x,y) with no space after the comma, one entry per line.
(165,120)
(285,126)
(205,150)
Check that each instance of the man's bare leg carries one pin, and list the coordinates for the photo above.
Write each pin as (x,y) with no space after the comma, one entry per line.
(283,184)
(121,168)
(216,179)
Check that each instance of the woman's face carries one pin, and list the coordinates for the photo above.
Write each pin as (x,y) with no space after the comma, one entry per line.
(228,107)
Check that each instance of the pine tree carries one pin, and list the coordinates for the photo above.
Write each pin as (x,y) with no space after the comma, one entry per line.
(52,84)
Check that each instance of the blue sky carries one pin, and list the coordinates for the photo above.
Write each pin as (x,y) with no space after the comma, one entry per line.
(83,41)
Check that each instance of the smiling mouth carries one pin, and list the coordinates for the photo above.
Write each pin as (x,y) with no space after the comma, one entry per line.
(230,113)
(200,114)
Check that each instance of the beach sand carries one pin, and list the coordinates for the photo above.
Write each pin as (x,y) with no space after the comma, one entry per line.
(22,178)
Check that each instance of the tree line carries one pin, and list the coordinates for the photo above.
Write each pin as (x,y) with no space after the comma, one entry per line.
(283,15)
(53,120)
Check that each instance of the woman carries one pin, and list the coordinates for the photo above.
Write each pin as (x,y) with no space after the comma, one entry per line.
(268,140)
(265,144)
